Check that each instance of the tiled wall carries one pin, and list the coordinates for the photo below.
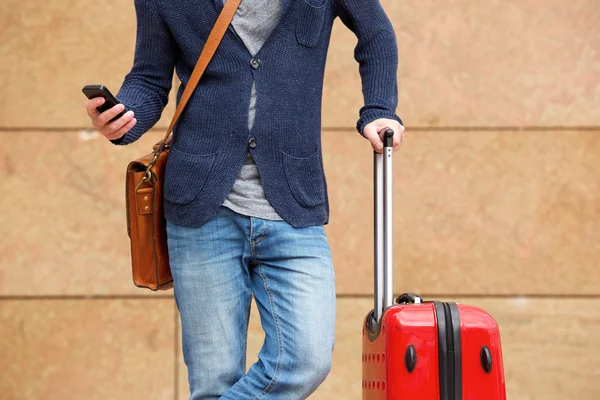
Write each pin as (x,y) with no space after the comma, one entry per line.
(497,198)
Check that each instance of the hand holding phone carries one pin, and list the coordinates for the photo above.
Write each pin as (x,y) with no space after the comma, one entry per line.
(107,114)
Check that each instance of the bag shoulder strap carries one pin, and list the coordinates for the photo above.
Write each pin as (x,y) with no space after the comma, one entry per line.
(213,41)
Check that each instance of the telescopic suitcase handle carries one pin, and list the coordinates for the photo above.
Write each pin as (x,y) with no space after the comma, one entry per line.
(383,217)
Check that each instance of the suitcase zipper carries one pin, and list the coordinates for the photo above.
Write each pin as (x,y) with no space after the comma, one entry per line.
(450,354)
(449,351)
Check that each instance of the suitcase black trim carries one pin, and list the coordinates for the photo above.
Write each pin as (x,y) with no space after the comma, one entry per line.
(449,350)
(373,327)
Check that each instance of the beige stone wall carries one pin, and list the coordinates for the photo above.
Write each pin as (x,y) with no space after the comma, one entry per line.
(497,197)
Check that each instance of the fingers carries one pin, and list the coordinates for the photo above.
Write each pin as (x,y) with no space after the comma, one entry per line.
(111,128)
(370,133)
(398,137)
(123,130)
(107,115)
(375,132)
(91,104)
(102,121)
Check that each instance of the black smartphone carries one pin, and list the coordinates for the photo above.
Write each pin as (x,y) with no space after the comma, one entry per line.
(92,91)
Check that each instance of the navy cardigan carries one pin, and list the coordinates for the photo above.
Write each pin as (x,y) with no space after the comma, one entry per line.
(211,138)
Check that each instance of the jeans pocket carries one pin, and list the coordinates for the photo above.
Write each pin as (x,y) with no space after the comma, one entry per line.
(304,176)
(310,22)
(186,174)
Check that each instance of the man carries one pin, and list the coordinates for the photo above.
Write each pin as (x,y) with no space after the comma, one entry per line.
(245,194)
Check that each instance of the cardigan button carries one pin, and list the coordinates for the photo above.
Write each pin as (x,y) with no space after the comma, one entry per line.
(255,63)
(252,143)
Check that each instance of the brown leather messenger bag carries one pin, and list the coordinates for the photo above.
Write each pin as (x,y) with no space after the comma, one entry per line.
(146,225)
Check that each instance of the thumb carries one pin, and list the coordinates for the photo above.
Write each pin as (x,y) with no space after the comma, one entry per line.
(370,133)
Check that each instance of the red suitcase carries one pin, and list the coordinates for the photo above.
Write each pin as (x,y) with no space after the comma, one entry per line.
(423,350)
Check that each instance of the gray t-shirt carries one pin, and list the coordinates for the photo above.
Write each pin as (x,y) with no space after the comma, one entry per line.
(253,22)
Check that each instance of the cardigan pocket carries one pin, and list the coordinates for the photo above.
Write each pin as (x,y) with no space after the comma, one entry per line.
(310,22)
(186,174)
(305,178)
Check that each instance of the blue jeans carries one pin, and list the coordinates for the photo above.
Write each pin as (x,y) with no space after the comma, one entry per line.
(216,269)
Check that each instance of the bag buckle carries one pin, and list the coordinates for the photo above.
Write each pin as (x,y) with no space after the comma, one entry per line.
(146,178)
(148,174)
(152,162)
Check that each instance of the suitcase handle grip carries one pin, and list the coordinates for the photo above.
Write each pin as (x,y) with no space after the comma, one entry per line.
(383,230)
(388,138)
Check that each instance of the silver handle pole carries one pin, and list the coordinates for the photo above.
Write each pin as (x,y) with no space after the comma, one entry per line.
(378,233)
(388,227)
(383,217)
